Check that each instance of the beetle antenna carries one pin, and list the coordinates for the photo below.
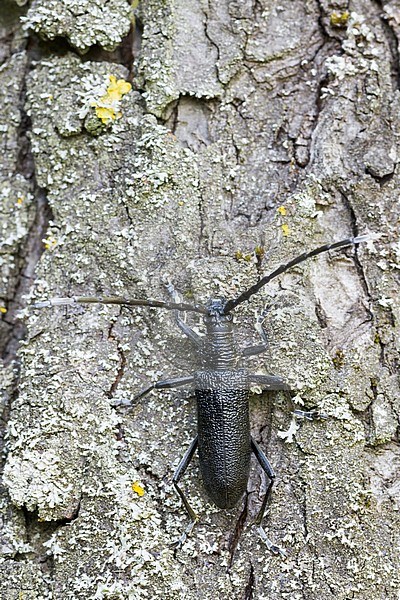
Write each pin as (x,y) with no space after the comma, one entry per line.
(181,306)
(231,304)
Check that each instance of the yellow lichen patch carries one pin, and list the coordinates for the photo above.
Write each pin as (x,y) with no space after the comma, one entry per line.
(107,108)
(285,229)
(107,114)
(281,210)
(119,88)
(20,200)
(240,256)
(3,310)
(339,19)
(50,242)
(137,488)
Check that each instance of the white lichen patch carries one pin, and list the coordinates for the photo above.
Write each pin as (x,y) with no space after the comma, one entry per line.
(385,422)
(16,216)
(35,478)
(289,435)
(360,54)
(84,22)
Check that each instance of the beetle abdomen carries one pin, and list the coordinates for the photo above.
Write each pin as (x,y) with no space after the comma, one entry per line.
(223,434)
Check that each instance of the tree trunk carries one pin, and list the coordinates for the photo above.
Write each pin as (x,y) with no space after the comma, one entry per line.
(253,131)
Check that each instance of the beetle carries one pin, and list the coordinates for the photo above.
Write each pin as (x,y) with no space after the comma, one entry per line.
(222,385)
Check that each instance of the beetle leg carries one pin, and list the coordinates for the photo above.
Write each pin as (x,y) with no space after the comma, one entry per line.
(268,470)
(259,349)
(165,384)
(260,329)
(269,382)
(187,330)
(180,471)
(178,319)
(253,350)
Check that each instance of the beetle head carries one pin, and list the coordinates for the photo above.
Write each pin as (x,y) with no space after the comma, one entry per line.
(215,316)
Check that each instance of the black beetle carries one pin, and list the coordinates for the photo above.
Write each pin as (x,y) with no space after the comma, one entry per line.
(222,387)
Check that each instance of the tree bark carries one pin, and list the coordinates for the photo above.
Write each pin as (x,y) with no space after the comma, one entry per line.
(253,131)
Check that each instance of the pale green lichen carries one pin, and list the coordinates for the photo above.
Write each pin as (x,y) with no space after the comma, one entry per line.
(70,454)
(83,22)
(17,207)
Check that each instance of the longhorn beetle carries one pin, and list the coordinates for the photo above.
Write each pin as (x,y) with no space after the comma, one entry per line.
(222,386)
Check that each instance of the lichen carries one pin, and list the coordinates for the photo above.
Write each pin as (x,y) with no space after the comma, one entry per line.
(131,204)
(16,197)
(65,465)
(339,19)
(104,96)
(360,54)
(85,23)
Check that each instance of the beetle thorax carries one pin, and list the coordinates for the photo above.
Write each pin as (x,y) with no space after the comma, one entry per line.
(219,350)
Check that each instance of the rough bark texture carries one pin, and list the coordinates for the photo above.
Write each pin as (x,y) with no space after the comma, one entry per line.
(253,130)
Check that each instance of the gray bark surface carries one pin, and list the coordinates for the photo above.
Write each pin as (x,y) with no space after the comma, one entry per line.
(253,131)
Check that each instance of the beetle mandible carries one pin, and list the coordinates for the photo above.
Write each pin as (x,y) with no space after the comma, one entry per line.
(222,385)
